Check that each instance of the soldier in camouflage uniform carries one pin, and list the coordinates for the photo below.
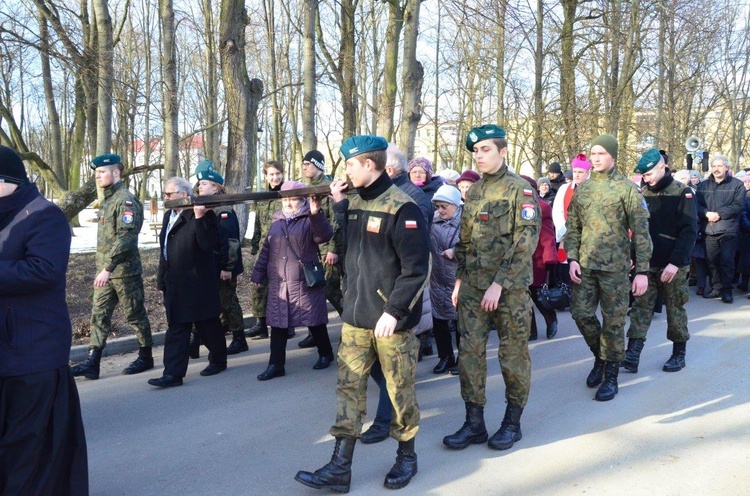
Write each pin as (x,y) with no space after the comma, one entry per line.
(673,228)
(313,165)
(603,213)
(118,263)
(384,229)
(273,171)
(498,235)
(228,258)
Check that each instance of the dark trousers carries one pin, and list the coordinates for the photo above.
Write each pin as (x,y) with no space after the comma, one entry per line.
(442,330)
(720,250)
(279,339)
(42,441)
(177,344)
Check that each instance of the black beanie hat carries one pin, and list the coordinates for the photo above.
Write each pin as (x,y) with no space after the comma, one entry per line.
(316,158)
(11,167)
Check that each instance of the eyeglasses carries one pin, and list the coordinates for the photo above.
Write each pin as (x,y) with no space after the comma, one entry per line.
(167,194)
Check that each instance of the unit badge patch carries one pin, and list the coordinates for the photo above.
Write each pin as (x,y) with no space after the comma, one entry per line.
(127,217)
(373,224)
(528,211)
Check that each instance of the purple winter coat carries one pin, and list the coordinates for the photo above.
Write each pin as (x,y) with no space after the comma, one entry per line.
(290,302)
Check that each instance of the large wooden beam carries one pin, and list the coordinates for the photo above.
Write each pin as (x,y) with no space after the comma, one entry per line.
(211,201)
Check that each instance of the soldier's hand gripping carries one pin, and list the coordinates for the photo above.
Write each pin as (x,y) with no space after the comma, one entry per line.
(640,284)
(337,190)
(575,272)
(667,275)
(491,297)
(386,326)
(101,279)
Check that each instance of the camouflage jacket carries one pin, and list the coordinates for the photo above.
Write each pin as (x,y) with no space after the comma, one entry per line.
(264,211)
(120,221)
(605,211)
(499,232)
(335,245)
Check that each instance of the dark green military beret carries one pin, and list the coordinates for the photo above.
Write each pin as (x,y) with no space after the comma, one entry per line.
(481,133)
(648,161)
(204,165)
(106,159)
(357,145)
(209,175)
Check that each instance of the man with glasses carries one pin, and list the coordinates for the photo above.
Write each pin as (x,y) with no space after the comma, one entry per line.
(721,199)
(313,167)
(118,264)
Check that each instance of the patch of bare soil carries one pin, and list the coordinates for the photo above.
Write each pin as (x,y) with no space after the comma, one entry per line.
(80,290)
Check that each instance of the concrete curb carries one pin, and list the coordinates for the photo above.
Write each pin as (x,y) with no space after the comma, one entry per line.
(129,344)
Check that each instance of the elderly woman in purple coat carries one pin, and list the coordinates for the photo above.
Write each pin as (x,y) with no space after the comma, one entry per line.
(293,238)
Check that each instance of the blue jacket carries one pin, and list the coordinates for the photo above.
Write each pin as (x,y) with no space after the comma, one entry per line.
(35,330)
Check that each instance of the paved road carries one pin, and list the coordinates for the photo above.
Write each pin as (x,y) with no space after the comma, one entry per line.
(664,434)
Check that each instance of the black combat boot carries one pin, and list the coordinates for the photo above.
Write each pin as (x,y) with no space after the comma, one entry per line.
(194,348)
(597,373)
(336,475)
(143,363)
(259,330)
(609,388)
(472,432)
(510,429)
(308,342)
(377,432)
(405,467)
(89,368)
(238,344)
(633,354)
(677,361)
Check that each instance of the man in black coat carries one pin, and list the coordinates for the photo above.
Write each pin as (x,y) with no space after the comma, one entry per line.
(721,199)
(42,441)
(187,277)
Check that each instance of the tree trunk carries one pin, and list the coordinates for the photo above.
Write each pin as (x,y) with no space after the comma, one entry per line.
(538,93)
(309,105)
(57,163)
(413,77)
(387,99)
(568,111)
(170,95)
(212,135)
(105,76)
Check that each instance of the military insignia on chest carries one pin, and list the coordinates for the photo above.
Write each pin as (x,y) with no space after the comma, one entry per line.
(373,224)
(484,216)
(528,211)
(127,217)
(352,216)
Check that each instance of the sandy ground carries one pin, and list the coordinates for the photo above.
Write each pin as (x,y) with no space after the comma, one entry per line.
(686,433)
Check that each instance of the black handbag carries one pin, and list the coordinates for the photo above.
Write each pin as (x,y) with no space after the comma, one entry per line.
(554,298)
(314,272)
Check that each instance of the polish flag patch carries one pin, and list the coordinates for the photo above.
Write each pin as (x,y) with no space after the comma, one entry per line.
(528,192)
(410,224)
(224,215)
(128,203)
(689,196)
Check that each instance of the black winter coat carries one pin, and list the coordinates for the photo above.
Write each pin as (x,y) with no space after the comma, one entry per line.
(727,198)
(188,275)
(35,331)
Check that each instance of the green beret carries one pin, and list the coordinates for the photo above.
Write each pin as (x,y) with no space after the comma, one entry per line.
(204,165)
(106,159)
(357,145)
(209,175)
(481,133)
(648,161)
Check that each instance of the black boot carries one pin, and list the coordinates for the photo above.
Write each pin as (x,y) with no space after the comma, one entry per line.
(472,432)
(533,333)
(336,475)
(143,363)
(510,429)
(377,432)
(609,388)
(238,344)
(259,330)
(405,467)
(89,368)
(597,373)
(633,354)
(308,342)
(444,364)
(195,345)
(551,321)
(677,361)
(271,372)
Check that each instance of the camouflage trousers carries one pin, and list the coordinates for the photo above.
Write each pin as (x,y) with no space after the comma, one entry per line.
(260,299)
(129,292)
(397,355)
(512,319)
(612,290)
(675,295)
(231,311)
(333,286)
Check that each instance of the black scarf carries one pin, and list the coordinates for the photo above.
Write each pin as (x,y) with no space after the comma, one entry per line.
(12,204)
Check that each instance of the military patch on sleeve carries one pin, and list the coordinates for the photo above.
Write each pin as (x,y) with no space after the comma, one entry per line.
(689,196)
(410,224)
(127,217)
(644,205)
(128,203)
(373,224)
(224,215)
(528,192)
(528,211)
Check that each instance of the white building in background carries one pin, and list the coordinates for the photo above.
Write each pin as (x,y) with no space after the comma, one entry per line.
(447,138)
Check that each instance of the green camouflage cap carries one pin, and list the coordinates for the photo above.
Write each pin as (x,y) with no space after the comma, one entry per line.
(210,175)
(106,159)
(357,145)
(648,161)
(481,133)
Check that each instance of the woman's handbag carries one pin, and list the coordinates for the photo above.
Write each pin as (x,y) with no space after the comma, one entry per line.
(554,298)
(314,272)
